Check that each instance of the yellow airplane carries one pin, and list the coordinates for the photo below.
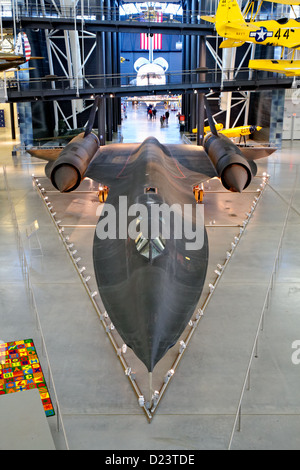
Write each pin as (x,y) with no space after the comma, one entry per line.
(231,25)
(232,132)
(290,68)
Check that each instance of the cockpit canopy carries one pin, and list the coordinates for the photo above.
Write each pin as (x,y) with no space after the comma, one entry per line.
(150,248)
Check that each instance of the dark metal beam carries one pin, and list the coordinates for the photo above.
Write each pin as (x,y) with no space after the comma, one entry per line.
(94,26)
(24,93)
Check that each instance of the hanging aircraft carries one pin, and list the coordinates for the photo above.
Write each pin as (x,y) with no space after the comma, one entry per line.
(150,283)
(21,54)
(231,25)
(233,132)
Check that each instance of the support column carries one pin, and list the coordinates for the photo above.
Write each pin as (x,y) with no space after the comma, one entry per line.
(25,115)
(101,120)
(276,117)
(193,66)
(100,56)
(12,121)
(109,116)
(25,120)
(200,110)
(186,65)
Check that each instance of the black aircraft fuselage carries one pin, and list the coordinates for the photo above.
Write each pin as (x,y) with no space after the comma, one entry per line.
(150,285)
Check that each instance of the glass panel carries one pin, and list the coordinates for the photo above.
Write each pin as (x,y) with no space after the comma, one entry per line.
(159,243)
(154,252)
(141,242)
(146,251)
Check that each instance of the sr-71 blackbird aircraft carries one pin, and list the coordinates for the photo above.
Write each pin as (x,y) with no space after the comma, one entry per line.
(285,32)
(150,285)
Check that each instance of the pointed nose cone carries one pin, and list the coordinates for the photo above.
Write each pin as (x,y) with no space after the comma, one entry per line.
(235,178)
(65,178)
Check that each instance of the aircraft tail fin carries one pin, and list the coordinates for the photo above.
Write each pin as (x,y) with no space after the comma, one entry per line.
(229,11)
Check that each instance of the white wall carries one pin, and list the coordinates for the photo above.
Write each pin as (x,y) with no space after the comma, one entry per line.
(291,121)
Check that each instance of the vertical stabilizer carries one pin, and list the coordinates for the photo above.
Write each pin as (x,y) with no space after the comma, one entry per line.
(228,12)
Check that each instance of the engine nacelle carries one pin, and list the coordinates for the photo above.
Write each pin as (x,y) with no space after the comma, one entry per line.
(231,166)
(68,170)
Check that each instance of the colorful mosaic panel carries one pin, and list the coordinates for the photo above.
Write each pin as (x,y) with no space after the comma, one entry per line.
(20,369)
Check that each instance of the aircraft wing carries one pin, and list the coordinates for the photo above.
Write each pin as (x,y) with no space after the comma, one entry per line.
(112,162)
(210,19)
(252,153)
(191,162)
(197,166)
(285,2)
(229,43)
(234,25)
(11,57)
(290,68)
(50,154)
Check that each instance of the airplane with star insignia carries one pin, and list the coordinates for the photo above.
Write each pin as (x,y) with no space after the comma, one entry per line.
(231,25)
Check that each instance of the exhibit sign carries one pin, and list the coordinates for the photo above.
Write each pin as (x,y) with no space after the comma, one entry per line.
(20,369)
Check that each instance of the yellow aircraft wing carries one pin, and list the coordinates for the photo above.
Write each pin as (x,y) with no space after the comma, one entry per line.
(10,57)
(210,19)
(290,68)
(228,43)
(285,2)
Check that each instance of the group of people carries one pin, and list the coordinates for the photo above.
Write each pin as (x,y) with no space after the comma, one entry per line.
(151,113)
(164,118)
